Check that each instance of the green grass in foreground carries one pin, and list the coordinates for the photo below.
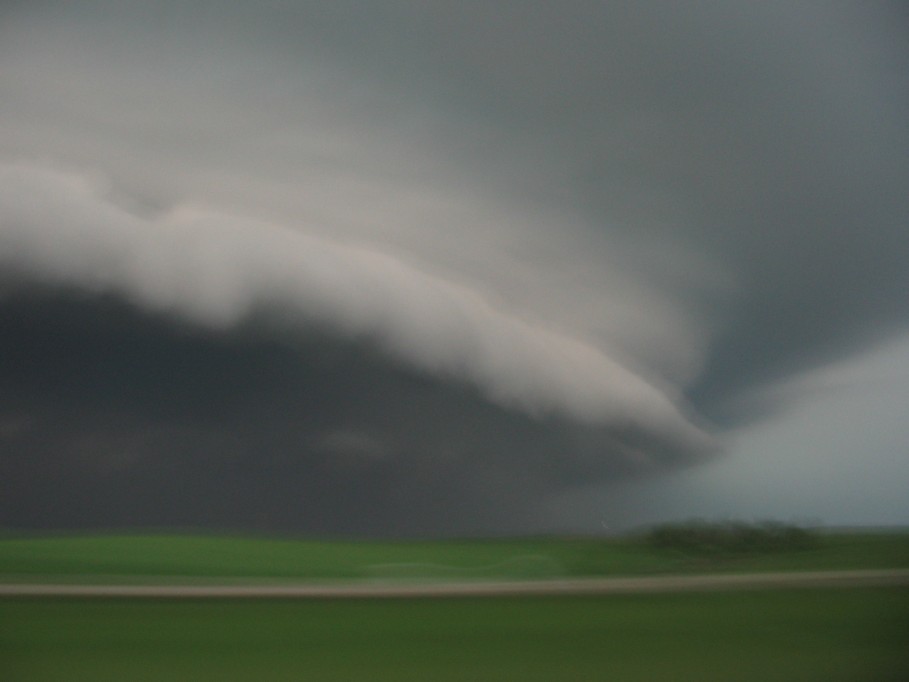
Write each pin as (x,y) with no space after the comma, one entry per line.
(823,635)
(143,558)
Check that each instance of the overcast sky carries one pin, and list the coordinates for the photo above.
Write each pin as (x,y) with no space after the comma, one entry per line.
(421,268)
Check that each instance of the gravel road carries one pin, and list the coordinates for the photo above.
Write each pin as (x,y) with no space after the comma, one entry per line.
(600,586)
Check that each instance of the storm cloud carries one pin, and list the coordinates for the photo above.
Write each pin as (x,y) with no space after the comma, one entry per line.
(398,268)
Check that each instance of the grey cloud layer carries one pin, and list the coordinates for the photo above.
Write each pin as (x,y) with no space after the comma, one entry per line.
(610,214)
(113,417)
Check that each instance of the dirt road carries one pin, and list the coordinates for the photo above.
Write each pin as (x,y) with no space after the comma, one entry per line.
(601,586)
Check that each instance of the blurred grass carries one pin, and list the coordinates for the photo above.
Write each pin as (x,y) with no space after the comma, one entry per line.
(823,635)
(145,558)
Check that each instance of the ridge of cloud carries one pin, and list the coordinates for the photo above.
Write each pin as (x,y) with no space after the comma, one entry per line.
(216,270)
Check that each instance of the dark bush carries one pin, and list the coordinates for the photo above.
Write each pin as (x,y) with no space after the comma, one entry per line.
(731,537)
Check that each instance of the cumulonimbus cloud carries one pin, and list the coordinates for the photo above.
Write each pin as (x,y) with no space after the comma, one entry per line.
(501,243)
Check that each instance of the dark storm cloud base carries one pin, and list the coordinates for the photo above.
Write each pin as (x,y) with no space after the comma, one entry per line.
(116,418)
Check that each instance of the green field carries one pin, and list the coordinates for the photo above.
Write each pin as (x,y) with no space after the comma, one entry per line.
(823,635)
(150,558)
(818,634)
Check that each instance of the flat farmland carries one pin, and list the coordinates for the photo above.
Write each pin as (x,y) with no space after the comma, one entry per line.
(823,635)
(845,634)
(115,559)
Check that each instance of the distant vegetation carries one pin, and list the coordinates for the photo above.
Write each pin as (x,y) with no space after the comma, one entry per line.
(732,537)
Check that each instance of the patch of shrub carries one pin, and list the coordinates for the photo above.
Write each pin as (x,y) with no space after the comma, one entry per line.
(731,537)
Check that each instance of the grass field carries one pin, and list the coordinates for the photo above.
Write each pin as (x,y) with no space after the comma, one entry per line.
(823,635)
(830,635)
(144,558)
